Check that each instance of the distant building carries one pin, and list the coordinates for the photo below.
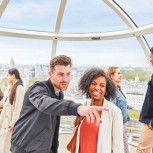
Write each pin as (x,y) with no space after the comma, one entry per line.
(41,71)
(135,92)
(11,63)
(135,100)
(137,79)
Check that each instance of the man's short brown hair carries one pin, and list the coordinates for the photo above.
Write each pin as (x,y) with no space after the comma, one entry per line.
(60,60)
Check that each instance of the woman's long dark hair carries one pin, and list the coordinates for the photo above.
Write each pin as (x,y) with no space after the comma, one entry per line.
(19,82)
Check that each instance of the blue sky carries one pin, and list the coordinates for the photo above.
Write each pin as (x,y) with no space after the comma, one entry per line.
(80,17)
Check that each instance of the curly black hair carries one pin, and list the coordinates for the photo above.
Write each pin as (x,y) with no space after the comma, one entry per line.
(90,75)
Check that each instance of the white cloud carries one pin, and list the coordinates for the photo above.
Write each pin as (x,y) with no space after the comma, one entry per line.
(117,52)
(82,53)
(136,6)
(25,51)
(15,11)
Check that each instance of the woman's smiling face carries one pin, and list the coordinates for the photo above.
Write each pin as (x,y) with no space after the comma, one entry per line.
(97,88)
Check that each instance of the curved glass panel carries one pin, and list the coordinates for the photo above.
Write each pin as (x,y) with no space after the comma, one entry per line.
(30,15)
(140,11)
(105,53)
(24,51)
(149,39)
(90,16)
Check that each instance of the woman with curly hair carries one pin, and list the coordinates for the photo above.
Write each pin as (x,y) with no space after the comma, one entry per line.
(108,136)
(11,106)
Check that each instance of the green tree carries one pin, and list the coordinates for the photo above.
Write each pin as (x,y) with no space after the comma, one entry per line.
(131,74)
(134,114)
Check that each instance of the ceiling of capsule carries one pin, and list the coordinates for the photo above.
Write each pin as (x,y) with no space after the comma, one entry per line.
(79,17)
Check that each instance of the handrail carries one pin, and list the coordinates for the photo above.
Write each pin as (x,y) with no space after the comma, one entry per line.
(132,144)
(134,108)
(135,145)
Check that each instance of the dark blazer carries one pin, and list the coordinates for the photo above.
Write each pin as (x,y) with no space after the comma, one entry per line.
(37,129)
(146,115)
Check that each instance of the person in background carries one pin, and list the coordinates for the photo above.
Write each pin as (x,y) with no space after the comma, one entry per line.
(11,106)
(108,136)
(120,100)
(146,116)
(37,129)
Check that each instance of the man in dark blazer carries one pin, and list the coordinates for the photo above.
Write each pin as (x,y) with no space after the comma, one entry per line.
(37,129)
(146,116)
